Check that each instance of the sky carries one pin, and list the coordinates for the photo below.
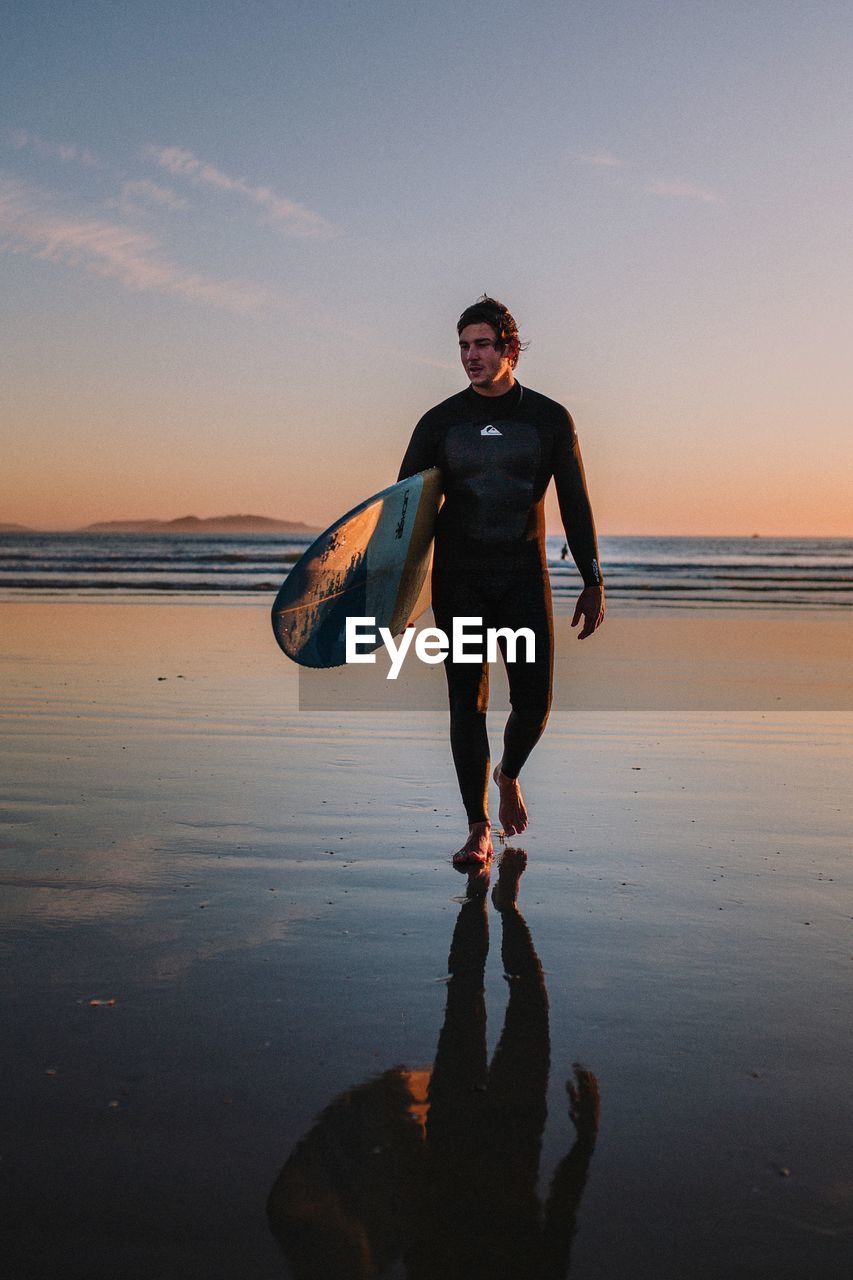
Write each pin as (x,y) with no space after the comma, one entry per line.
(235,239)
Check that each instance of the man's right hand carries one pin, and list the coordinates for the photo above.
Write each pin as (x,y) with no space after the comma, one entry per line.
(590,607)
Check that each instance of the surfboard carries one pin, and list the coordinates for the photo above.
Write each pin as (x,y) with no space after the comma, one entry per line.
(372,563)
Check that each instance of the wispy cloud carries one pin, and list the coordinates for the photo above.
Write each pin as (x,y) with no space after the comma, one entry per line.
(600,159)
(666,188)
(288,216)
(142,194)
(67,152)
(675,189)
(29,225)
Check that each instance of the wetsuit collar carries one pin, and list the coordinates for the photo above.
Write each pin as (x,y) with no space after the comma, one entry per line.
(493,406)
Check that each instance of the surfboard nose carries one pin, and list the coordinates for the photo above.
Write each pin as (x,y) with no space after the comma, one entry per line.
(373,562)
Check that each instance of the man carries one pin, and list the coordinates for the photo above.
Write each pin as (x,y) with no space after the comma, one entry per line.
(498,444)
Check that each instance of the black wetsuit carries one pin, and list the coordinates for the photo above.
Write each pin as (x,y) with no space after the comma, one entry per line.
(497,456)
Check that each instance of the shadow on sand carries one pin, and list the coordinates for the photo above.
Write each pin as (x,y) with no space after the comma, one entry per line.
(434,1172)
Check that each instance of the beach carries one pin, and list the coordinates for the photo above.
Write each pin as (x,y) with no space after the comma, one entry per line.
(228,911)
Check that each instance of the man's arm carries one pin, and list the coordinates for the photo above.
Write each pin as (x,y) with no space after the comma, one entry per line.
(578,522)
(421,452)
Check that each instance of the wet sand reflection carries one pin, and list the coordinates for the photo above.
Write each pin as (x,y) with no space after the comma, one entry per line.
(437,1169)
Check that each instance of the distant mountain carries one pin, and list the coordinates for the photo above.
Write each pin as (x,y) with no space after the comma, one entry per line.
(15,528)
(193,524)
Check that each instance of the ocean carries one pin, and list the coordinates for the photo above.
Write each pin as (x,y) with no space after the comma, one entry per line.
(795,573)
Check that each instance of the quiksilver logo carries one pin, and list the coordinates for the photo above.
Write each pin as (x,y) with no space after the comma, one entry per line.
(490,431)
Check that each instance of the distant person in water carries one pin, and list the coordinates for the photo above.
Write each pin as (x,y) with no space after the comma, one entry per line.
(498,445)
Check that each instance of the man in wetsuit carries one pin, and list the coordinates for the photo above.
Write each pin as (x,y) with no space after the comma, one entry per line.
(498,444)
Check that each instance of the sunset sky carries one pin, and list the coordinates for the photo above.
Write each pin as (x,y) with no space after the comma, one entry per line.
(235,239)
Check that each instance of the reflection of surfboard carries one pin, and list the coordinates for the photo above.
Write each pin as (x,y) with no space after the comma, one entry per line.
(372,563)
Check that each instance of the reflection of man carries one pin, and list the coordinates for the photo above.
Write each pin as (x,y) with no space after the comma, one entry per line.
(440,1167)
(498,444)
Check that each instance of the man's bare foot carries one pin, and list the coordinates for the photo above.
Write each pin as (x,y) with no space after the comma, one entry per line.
(512,811)
(477,849)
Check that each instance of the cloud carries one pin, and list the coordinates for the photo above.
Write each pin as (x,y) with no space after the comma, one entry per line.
(139,196)
(600,159)
(668,188)
(29,225)
(67,152)
(288,216)
(678,190)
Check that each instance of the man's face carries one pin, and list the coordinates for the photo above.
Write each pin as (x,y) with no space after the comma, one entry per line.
(485,364)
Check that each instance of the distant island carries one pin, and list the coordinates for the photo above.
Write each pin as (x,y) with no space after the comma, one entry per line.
(182,525)
(194,524)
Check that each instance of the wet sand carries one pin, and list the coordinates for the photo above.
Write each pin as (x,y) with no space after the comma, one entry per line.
(252,1013)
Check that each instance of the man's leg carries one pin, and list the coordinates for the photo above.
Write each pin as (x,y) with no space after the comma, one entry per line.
(527,603)
(468,693)
(455,594)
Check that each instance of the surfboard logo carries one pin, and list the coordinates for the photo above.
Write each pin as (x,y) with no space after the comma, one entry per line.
(398,532)
(490,431)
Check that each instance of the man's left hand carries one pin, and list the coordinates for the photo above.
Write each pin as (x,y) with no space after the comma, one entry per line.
(590,607)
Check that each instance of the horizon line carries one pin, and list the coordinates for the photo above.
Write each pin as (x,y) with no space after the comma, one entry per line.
(10,528)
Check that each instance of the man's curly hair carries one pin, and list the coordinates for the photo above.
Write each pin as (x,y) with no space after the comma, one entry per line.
(489,311)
